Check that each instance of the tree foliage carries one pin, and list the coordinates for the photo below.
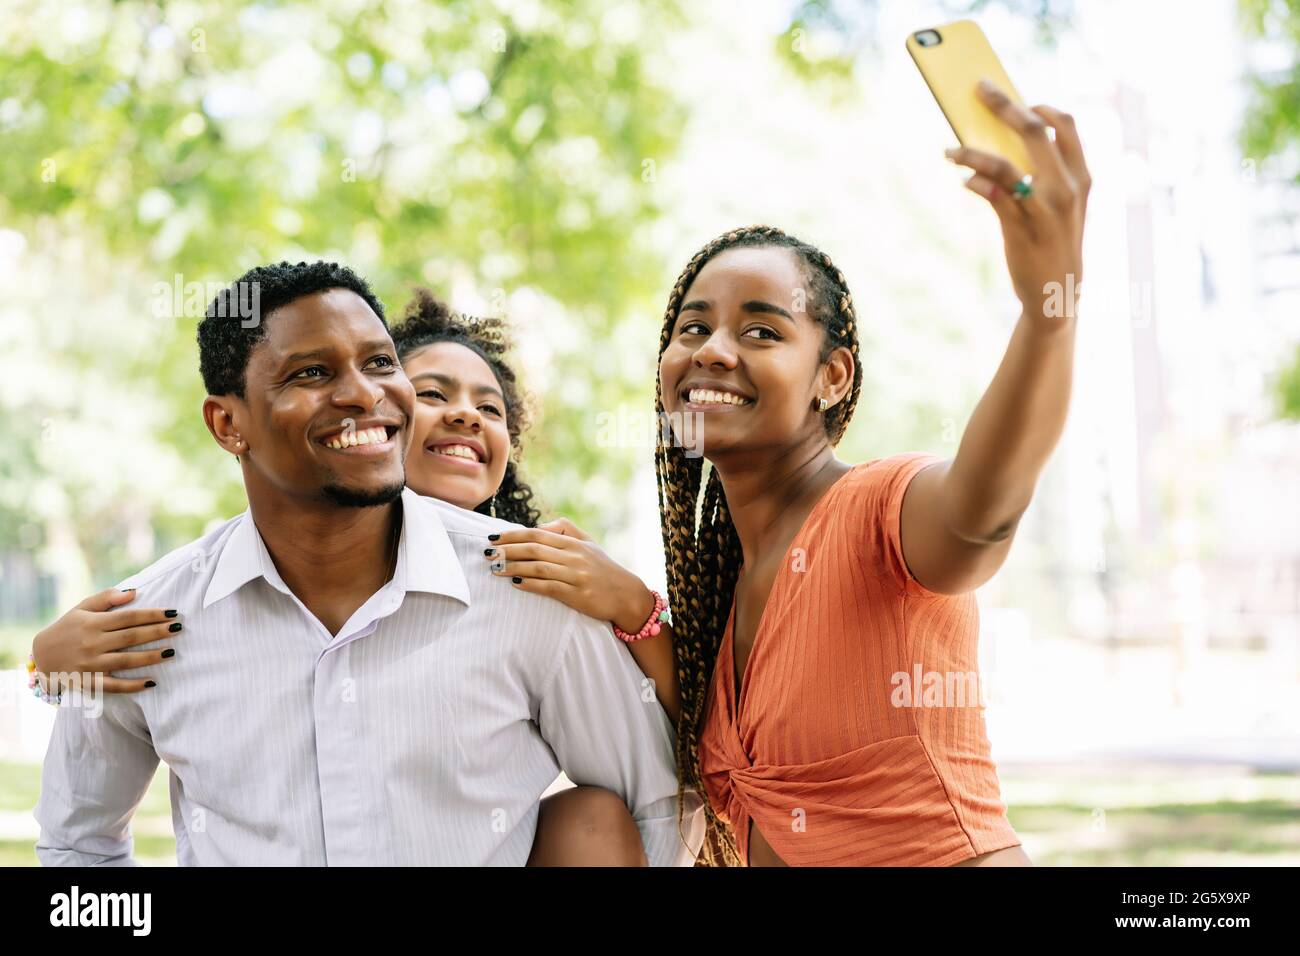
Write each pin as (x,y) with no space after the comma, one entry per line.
(494,146)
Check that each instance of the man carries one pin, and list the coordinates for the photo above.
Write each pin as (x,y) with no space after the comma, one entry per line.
(355,687)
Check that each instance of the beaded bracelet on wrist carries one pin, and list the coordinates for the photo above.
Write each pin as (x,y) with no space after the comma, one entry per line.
(658,617)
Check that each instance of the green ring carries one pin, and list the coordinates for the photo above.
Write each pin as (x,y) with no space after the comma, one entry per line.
(1022,187)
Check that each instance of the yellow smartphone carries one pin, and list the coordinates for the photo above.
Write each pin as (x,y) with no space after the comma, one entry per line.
(952,58)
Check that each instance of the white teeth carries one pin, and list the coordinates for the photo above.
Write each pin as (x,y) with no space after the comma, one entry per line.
(457,451)
(366,436)
(707,396)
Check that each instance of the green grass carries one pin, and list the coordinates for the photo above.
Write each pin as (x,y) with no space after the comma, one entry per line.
(149,851)
(1071,816)
(20,785)
(1261,832)
(1155,815)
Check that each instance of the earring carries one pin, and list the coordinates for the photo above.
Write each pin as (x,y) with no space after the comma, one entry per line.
(821,405)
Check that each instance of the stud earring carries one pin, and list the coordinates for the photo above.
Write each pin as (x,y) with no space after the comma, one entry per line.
(821,405)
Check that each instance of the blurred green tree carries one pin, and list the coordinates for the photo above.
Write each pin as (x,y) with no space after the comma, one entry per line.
(494,146)
(1288,387)
(1271,131)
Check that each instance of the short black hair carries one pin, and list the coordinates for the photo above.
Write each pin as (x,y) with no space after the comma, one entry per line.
(235,320)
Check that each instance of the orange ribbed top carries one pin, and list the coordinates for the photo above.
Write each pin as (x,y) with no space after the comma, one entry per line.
(859,735)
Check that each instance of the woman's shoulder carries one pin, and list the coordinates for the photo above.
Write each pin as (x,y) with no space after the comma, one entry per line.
(868,481)
(870,508)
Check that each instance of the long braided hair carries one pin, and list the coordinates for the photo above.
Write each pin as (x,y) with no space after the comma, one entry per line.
(428,321)
(700,539)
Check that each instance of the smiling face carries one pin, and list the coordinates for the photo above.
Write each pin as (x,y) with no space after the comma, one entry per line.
(745,353)
(326,411)
(461,443)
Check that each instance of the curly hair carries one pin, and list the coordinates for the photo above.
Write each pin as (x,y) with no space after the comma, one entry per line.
(429,321)
(700,539)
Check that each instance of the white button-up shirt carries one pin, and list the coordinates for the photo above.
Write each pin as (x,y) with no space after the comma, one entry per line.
(424,732)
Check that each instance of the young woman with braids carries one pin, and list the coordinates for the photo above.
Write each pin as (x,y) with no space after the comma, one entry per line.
(468,422)
(806,590)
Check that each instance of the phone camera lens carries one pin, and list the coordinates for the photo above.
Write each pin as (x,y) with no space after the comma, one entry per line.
(929,38)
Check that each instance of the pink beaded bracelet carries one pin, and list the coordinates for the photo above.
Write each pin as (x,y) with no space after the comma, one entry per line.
(652,625)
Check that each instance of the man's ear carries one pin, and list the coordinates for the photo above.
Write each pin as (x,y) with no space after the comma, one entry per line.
(223,414)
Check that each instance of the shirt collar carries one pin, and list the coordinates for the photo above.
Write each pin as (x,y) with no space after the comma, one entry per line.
(426,559)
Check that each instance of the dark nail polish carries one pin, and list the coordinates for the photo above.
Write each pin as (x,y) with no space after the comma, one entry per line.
(170,652)
(150,683)
(493,537)
(516,580)
(171,613)
(175,627)
(488,552)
